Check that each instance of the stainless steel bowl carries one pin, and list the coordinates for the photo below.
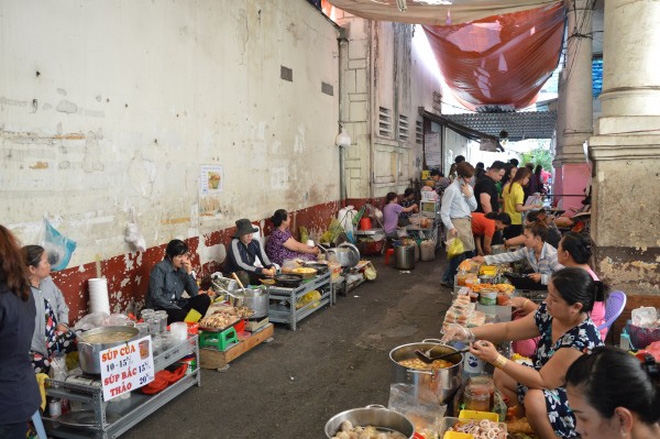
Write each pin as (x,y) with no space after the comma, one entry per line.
(92,342)
(375,415)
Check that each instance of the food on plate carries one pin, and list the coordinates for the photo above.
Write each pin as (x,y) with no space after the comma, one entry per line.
(348,431)
(519,426)
(218,321)
(417,364)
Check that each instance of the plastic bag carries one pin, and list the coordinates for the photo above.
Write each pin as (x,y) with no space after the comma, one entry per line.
(133,236)
(370,272)
(58,247)
(455,247)
(420,406)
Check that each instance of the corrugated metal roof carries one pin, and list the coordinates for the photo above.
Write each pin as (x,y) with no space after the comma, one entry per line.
(518,125)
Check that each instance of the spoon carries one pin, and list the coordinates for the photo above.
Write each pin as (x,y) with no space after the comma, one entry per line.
(427,358)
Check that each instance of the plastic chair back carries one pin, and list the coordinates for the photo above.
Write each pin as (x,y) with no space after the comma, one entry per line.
(614,306)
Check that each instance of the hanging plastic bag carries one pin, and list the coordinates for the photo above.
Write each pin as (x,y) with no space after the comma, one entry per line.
(455,247)
(133,236)
(58,247)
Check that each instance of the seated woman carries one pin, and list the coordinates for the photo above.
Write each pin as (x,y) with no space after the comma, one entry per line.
(540,255)
(282,245)
(574,251)
(169,279)
(244,252)
(566,331)
(484,227)
(391,213)
(554,235)
(614,395)
(51,332)
(407,201)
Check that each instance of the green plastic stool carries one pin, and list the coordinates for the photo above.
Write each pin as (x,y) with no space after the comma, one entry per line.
(219,340)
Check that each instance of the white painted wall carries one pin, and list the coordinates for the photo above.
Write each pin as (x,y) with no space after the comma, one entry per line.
(106,105)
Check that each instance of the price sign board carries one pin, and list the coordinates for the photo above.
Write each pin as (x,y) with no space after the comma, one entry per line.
(126,367)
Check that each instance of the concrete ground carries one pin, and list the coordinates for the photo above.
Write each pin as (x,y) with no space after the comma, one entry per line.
(336,360)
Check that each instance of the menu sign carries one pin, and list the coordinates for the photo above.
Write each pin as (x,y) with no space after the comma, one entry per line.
(126,367)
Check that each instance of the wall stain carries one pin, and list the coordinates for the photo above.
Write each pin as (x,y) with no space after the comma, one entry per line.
(39,165)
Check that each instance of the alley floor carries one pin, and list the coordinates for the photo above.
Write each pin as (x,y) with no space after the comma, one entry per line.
(336,360)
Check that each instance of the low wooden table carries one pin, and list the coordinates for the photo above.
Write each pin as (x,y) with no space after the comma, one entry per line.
(219,360)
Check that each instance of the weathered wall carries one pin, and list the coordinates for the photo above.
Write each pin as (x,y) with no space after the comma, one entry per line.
(106,106)
(626,223)
(385,81)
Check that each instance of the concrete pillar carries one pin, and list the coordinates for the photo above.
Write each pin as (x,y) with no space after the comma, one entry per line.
(626,149)
(575,105)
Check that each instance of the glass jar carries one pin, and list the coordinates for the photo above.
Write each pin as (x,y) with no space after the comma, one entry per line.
(460,278)
(154,326)
(476,398)
(143,328)
(147,314)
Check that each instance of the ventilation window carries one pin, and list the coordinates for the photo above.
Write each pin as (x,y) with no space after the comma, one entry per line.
(419,132)
(384,122)
(327,89)
(286,73)
(404,130)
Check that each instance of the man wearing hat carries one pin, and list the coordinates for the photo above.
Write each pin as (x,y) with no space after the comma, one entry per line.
(243,253)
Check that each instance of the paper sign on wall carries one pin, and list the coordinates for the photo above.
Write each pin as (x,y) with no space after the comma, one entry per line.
(126,367)
(210,181)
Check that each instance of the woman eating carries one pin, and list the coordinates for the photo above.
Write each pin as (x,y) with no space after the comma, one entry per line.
(244,251)
(51,333)
(169,279)
(484,227)
(614,395)
(19,392)
(566,331)
(282,245)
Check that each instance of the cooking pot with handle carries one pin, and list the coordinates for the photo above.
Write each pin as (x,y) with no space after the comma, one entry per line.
(92,342)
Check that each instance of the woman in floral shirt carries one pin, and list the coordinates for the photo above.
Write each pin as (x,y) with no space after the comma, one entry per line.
(282,245)
(566,331)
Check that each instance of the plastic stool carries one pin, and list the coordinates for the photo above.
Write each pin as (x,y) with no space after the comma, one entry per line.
(389,252)
(218,340)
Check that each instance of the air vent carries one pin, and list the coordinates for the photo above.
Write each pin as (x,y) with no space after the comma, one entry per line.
(384,122)
(404,130)
(327,89)
(419,132)
(286,73)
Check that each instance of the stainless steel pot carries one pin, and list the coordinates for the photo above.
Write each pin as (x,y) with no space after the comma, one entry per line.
(375,415)
(345,254)
(257,300)
(442,383)
(404,255)
(92,342)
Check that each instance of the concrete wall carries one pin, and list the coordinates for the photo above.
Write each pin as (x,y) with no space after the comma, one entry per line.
(112,105)
(386,79)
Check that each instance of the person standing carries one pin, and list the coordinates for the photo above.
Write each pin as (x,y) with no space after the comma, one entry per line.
(440,182)
(458,203)
(513,195)
(485,191)
(19,392)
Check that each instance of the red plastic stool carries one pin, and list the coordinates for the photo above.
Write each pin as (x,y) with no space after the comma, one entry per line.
(389,252)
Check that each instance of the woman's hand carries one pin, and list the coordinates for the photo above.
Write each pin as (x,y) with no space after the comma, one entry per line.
(484,350)
(456,332)
(478,259)
(314,250)
(186,264)
(536,277)
(269,272)
(61,327)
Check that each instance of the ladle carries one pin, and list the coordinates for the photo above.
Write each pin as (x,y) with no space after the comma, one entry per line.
(427,358)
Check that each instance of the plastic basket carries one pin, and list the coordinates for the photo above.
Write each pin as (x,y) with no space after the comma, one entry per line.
(641,337)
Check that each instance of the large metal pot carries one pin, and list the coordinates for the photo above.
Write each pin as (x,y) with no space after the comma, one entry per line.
(442,383)
(374,415)
(345,254)
(257,300)
(92,342)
